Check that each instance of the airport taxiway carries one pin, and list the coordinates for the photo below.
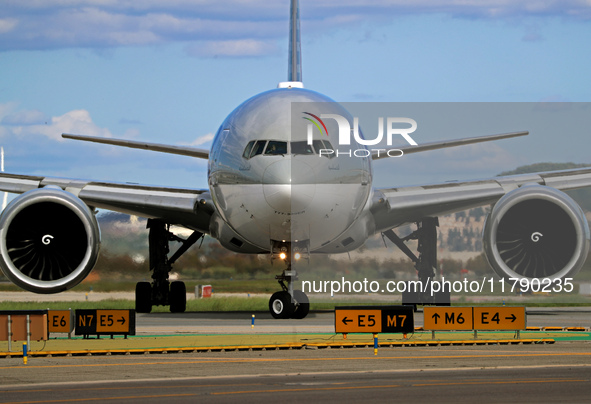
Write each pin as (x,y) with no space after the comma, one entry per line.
(514,373)
(317,322)
(309,362)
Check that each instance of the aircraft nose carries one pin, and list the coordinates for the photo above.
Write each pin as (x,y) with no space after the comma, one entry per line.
(289,185)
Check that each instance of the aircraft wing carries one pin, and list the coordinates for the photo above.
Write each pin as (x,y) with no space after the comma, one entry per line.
(189,207)
(380,154)
(392,207)
(180,150)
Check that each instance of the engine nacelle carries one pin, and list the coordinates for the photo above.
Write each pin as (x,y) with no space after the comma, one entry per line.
(49,240)
(536,232)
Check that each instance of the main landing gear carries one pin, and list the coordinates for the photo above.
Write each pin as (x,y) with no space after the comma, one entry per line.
(161,292)
(425,263)
(288,303)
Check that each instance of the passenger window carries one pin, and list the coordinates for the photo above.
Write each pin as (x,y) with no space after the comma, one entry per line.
(258,148)
(275,148)
(301,148)
(248,149)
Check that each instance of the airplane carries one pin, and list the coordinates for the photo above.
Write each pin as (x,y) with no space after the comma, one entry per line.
(285,180)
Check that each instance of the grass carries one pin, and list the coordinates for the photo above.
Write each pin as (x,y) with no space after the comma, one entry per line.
(193,305)
(103,304)
(227,304)
(257,303)
(214,304)
(219,285)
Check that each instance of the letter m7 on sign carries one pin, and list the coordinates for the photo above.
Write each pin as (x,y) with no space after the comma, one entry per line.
(374,319)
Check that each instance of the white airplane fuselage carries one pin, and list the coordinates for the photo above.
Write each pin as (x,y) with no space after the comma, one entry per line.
(269,184)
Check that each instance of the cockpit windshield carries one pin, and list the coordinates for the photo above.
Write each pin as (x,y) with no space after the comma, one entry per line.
(276,147)
(301,148)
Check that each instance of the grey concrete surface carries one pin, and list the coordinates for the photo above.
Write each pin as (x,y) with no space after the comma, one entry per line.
(515,373)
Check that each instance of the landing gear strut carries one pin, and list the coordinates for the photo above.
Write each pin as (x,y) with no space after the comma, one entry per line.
(161,292)
(425,263)
(288,303)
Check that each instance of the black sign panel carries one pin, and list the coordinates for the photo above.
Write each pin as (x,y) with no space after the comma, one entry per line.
(105,322)
(374,319)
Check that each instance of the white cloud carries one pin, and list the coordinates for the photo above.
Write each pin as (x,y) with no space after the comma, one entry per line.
(110,23)
(35,123)
(235,48)
(201,140)
(7,109)
(30,117)
(468,162)
(477,158)
(7,24)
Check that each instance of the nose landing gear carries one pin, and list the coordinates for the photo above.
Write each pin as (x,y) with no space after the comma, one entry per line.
(288,303)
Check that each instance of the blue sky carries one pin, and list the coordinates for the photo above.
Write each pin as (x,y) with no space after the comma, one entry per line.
(170,71)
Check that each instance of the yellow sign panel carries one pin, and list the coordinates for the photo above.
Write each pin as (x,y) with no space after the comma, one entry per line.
(447,318)
(112,321)
(358,321)
(59,321)
(499,318)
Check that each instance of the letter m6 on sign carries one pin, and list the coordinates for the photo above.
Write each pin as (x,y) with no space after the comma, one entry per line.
(447,318)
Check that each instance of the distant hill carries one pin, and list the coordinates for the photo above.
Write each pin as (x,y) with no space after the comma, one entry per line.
(538,167)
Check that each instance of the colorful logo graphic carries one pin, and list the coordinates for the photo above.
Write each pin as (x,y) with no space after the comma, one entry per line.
(346,132)
(316,123)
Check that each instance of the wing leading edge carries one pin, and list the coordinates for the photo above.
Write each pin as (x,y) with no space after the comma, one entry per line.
(376,155)
(190,207)
(180,150)
(392,207)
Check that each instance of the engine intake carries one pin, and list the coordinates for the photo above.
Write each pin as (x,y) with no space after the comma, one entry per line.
(536,232)
(49,240)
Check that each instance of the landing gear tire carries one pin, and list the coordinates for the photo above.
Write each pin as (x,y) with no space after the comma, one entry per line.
(143,297)
(178,297)
(280,305)
(303,307)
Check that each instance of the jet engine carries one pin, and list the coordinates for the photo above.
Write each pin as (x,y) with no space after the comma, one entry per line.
(536,232)
(49,240)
